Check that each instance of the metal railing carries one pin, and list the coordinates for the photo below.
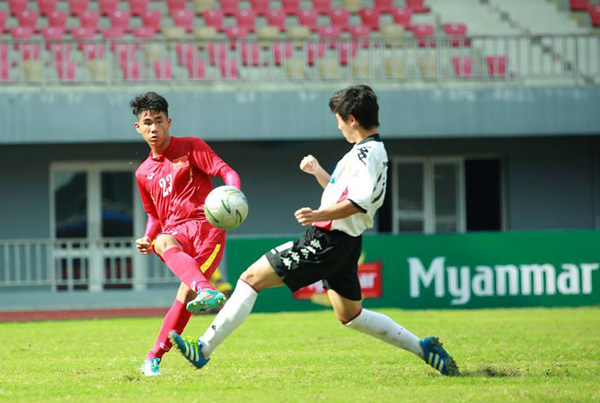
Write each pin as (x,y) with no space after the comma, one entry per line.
(509,59)
(79,264)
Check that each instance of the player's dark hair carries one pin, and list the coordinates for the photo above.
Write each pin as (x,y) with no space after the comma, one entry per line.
(359,101)
(150,101)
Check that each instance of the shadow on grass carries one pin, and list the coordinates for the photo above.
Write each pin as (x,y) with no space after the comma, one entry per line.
(489,371)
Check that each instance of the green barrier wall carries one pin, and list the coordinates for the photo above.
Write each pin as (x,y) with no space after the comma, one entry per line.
(482,270)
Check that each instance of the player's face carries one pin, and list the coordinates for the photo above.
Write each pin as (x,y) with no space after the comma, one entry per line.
(154,127)
(347,127)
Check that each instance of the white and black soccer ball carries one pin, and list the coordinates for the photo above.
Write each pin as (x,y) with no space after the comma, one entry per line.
(226,207)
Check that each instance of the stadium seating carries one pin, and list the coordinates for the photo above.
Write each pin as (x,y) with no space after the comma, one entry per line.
(579,5)
(594,12)
(318,33)
(463,66)
(496,66)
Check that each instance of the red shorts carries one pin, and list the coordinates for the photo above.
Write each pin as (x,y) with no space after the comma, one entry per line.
(203,242)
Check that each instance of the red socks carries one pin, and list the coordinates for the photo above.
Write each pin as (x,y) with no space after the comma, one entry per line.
(176,319)
(186,268)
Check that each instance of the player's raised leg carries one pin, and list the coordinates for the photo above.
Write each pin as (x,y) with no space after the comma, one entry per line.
(257,277)
(176,319)
(354,316)
(186,269)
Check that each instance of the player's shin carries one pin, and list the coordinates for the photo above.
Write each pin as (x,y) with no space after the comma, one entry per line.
(233,314)
(176,319)
(186,269)
(384,328)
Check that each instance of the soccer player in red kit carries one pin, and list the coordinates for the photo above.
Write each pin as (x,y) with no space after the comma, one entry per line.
(174,181)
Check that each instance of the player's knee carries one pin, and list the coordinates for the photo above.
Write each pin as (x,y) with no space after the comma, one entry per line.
(249,277)
(163,243)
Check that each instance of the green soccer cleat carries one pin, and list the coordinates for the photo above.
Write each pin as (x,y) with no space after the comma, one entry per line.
(190,348)
(150,367)
(205,300)
(436,356)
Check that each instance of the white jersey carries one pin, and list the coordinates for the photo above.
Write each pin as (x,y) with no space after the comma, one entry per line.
(360,176)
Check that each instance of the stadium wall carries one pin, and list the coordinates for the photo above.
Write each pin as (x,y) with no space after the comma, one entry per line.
(75,116)
(550,182)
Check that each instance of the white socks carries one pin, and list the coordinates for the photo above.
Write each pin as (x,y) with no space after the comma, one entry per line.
(233,314)
(384,328)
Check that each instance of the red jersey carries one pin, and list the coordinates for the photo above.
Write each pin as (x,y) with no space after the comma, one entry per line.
(174,185)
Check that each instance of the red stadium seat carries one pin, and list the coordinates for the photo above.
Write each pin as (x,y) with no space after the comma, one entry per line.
(186,53)
(417,6)
(57,19)
(496,66)
(276,18)
(463,66)
(595,15)
(21,33)
(151,19)
(370,18)
(184,18)
(3,52)
(77,7)
(360,34)
(339,18)
(457,34)
(124,52)
(60,52)
(83,35)
(16,7)
(89,19)
(384,6)
(291,7)
(402,16)
(176,5)
(28,18)
(230,7)
(139,7)
(162,69)
(229,69)
(197,70)
(120,19)
(424,34)
(65,70)
(235,34)
(216,52)
(245,19)
(144,33)
(250,54)
(2,22)
(131,70)
(281,51)
(343,49)
(107,7)
(214,18)
(308,18)
(4,70)
(322,6)
(46,7)
(330,34)
(113,33)
(30,51)
(314,50)
(92,51)
(52,34)
(260,7)
(579,5)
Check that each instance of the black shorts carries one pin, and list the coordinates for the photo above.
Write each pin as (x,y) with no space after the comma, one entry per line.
(331,256)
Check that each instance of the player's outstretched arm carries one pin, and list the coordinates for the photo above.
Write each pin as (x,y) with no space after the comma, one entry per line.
(310,165)
(343,209)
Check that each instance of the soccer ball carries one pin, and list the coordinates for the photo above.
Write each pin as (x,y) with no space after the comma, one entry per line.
(226,207)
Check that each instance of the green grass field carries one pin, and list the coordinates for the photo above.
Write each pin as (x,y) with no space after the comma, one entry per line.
(505,355)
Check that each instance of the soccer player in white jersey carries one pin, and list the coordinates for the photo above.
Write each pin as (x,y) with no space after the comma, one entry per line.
(330,248)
